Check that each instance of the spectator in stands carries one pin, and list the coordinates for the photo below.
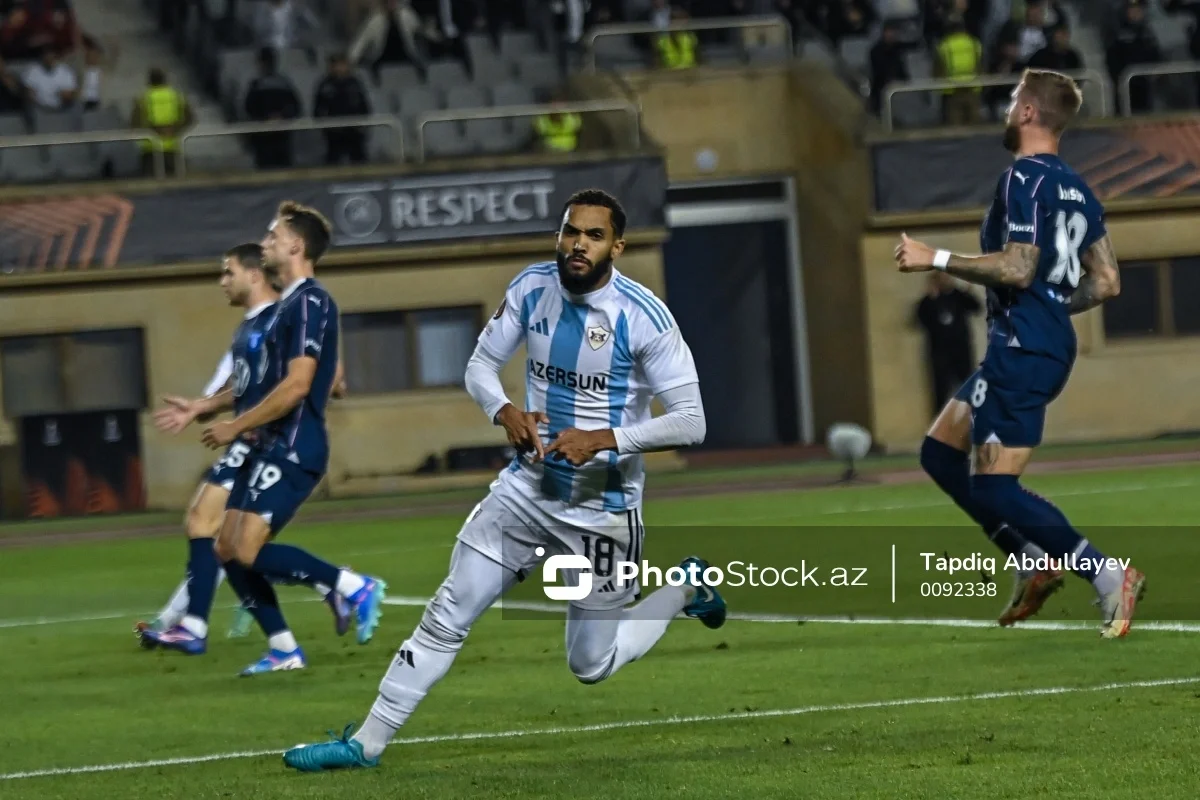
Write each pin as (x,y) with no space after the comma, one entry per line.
(32,25)
(1189,7)
(12,94)
(558,130)
(1132,42)
(163,109)
(389,36)
(887,62)
(1006,60)
(95,62)
(849,18)
(959,58)
(341,94)
(49,83)
(283,24)
(271,97)
(1058,55)
(1029,35)
(676,49)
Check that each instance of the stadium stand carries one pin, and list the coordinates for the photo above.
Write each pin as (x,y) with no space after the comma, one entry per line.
(491,54)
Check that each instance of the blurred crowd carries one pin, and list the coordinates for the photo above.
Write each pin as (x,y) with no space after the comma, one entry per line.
(47,62)
(961,47)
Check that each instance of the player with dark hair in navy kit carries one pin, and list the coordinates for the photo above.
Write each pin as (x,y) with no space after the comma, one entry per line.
(1047,256)
(290,453)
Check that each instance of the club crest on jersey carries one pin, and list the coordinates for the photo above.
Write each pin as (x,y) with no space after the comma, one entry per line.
(597,337)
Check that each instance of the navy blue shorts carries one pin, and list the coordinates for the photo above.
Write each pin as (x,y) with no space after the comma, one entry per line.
(224,471)
(1009,394)
(273,488)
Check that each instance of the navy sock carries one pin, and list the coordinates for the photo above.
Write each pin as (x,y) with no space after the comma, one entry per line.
(285,562)
(1039,519)
(257,596)
(950,469)
(202,577)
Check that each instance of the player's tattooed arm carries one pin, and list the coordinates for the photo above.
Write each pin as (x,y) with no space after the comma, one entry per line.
(1102,277)
(1015,265)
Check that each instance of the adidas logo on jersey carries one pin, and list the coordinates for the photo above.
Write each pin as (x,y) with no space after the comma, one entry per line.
(1072,194)
(542,327)
(607,588)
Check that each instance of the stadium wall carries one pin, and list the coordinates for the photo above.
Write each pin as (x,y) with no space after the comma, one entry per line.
(378,440)
(797,120)
(1113,381)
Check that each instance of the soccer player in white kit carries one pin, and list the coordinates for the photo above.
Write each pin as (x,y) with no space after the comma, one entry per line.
(599,347)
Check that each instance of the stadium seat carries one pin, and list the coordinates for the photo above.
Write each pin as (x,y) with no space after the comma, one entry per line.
(446,139)
(512,94)
(468,96)
(75,162)
(13,125)
(70,121)
(618,52)
(26,165)
(538,70)
(446,73)
(398,76)
(515,43)
(485,62)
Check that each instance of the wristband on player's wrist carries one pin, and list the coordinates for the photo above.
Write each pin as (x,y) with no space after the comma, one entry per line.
(941,259)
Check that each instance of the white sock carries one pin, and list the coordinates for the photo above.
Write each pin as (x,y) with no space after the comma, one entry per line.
(1108,580)
(283,641)
(1032,551)
(348,583)
(176,607)
(413,672)
(320,589)
(195,626)
(643,625)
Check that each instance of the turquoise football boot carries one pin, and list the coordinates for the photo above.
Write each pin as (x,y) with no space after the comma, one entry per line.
(343,753)
(707,605)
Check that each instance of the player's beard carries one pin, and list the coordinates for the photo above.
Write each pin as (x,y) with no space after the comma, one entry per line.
(582,284)
(1012,138)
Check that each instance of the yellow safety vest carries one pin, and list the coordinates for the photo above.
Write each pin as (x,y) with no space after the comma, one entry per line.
(678,50)
(560,134)
(163,106)
(960,54)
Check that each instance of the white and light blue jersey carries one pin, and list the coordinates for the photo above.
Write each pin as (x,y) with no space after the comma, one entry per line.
(593,361)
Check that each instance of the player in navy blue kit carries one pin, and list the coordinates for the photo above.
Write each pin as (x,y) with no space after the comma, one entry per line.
(246,285)
(291,448)
(1047,256)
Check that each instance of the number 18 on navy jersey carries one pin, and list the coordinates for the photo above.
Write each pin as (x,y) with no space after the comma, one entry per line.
(1043,202)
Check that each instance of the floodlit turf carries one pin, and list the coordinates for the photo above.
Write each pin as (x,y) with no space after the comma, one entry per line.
(786,710)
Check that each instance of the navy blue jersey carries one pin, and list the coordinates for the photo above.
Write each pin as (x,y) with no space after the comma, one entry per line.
(305,324)
(1041,201)
(249,352)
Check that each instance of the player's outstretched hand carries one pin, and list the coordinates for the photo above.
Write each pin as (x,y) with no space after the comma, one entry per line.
(178,413)
(913,256)
(522,430)
(218,435)
(579,447)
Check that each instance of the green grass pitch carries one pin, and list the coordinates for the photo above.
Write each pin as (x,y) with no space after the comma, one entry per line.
(836,709)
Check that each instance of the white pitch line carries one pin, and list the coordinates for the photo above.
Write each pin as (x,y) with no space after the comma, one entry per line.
(552,608)
(627,724)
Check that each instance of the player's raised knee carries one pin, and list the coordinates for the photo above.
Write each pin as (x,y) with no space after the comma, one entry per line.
(590,664)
